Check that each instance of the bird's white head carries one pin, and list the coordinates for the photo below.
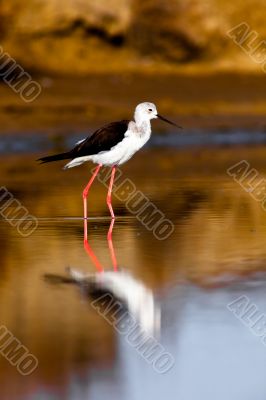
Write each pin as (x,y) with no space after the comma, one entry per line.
(144,112)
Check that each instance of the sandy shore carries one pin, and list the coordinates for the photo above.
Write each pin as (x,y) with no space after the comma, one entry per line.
(207,101)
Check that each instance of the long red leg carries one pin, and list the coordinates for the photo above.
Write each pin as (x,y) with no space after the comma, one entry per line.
(110,244)
(109,194)
(89,250)
(87,188)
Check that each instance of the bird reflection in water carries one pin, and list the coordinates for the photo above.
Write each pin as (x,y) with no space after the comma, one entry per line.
(131,293)
(90,252)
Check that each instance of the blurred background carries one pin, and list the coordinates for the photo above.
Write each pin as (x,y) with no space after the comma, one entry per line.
(94,61)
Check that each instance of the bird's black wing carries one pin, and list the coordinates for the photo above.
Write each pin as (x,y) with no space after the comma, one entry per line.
(101,140)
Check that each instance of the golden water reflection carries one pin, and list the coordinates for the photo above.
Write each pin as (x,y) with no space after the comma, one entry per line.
(218,241)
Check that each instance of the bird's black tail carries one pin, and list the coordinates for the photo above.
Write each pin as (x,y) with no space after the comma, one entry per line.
(56,157)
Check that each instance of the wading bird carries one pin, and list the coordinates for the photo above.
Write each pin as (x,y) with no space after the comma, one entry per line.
(111,145)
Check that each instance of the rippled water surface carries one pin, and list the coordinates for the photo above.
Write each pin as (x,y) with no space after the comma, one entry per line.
(215,254)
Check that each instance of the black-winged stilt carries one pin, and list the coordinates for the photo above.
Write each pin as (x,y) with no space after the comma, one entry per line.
(111,145)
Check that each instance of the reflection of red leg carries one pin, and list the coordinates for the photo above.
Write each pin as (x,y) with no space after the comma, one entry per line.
(87,188)
(109,194)
(89,250)
(110,244)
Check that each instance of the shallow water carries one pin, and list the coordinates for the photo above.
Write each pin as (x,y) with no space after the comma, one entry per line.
(215,254)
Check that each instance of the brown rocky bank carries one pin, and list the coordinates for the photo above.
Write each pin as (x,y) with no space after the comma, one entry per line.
(78,37)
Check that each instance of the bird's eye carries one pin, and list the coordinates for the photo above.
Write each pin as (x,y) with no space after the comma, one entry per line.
(150,109)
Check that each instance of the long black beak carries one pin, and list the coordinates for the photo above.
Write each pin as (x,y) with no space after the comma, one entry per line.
(169,122)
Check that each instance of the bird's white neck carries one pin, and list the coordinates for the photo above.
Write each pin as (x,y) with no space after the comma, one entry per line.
(143,123)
